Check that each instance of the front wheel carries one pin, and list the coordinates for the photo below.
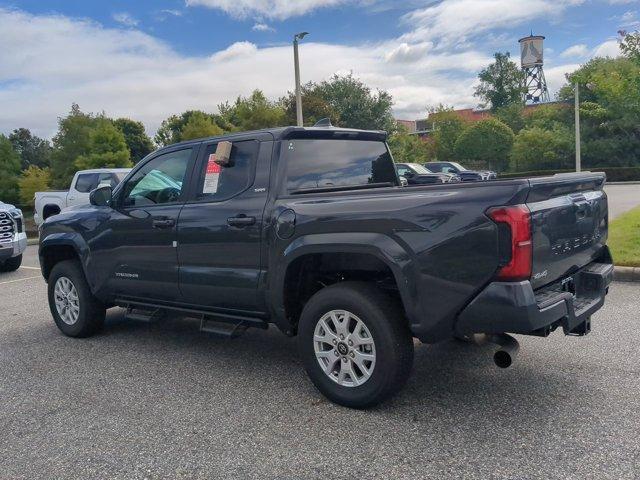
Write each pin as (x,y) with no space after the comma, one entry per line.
(75,310)
(355,344)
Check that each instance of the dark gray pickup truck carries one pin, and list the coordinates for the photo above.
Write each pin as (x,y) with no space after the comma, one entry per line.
(310,230)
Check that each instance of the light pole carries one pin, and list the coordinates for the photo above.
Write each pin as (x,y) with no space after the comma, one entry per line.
(296,62)
(577,116)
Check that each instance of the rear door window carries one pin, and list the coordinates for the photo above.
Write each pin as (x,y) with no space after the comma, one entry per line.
(315,163)
(86,182)
(217,182)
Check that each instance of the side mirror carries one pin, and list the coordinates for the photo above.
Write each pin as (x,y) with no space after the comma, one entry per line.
(408,174)
(223,153)
(101,196)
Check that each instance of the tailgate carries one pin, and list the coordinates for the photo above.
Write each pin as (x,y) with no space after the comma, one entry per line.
(569,222)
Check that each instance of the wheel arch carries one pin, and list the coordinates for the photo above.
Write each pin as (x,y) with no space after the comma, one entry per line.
(376,254)
(58,247)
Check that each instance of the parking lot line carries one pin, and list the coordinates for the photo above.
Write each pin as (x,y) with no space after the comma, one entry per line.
(18,280)
(30,268)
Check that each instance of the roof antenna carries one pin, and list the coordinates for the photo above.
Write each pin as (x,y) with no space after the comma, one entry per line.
(324,122)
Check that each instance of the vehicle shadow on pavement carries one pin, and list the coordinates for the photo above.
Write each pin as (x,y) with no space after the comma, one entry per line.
(449,379)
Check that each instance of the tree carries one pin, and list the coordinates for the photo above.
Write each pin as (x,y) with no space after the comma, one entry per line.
(107,148)
(610,104)
(535,148)
(253,112)
(32,150)
(355,104)
(33,179)
(138,142)
(512,115)
(9,171)
(407,148)
(630,45)
(200,125)
(170,130)
(487,142)
(314,107)
(501,83)
(71,141)
(447,128)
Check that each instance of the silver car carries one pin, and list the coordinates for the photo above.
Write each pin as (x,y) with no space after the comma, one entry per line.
(13,238)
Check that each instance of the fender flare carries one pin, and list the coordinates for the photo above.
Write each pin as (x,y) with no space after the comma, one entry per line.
(383,247)
(73,240)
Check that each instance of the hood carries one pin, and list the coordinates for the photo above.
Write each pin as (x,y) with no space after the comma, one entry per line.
(6,207)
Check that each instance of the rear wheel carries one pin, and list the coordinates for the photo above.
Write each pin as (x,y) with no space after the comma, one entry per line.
(11,265)
(355,344)
(75,310)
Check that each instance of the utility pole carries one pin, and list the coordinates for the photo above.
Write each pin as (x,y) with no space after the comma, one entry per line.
(577,114)
(296,62)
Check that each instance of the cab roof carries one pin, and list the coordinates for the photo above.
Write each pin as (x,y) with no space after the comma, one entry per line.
(287,133)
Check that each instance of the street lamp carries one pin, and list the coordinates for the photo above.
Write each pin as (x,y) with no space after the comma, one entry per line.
(296,62)
(577,121)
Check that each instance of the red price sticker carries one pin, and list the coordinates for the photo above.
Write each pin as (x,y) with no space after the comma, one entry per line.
(212,166)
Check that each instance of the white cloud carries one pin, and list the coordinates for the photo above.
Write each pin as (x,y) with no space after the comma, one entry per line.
(125,19)
(172,12)
(280,9)
(622,2)
(408,53)
(610,48)
(576,51)
(462,22)
(262,27)
(50,61)
(234,51)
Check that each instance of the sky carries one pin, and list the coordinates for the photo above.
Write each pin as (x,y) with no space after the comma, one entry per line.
(149,59)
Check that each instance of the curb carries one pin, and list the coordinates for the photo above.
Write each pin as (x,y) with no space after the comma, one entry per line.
(33,241)
(626,274)
(632,182)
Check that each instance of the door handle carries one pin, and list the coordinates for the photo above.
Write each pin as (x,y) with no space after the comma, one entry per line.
(241,221)
(163,223)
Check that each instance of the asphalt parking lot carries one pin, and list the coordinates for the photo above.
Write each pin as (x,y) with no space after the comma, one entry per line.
(162,400)
(622,197)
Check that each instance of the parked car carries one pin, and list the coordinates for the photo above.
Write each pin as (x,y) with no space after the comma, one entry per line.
(13,239)
(416,174)
(308,229)
(464,174)
(53,202)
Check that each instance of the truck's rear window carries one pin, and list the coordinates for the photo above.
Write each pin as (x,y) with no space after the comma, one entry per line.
(336,163)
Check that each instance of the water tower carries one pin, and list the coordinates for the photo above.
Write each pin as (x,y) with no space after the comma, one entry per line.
(532,60)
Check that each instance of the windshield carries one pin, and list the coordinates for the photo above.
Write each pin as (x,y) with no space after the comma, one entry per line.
(315,163)
(419,169)
(459,167)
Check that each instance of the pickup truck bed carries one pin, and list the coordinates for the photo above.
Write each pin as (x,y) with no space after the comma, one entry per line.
(310,230)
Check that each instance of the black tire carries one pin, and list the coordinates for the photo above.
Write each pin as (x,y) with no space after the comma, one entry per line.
(91,310)
(393,342)
(11,265)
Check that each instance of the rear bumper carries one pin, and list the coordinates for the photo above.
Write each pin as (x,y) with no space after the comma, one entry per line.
(14,248)
(515,307)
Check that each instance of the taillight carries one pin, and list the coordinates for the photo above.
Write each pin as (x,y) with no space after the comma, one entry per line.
(518,220)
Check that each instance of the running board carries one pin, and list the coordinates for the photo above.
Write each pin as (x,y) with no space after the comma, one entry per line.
(219,324)
(143,315)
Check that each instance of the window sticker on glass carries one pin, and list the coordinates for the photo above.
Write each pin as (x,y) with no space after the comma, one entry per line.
(212,176)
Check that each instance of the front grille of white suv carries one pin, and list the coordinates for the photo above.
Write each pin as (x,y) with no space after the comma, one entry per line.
(6,228)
